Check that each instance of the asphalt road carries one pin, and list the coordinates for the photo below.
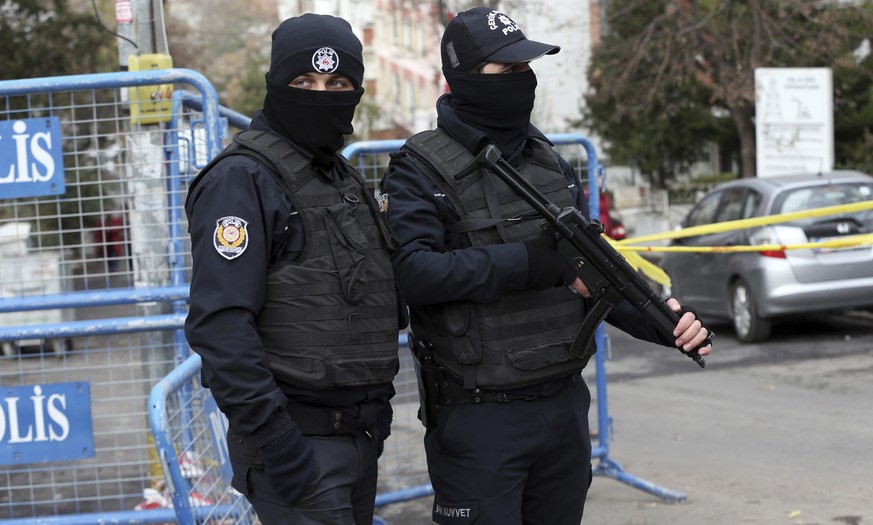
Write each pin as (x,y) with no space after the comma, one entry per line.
(775,433)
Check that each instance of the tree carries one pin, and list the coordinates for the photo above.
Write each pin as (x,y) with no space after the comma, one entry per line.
(660,135)
(232,49)
(718,44)
(43,38)
(853,114)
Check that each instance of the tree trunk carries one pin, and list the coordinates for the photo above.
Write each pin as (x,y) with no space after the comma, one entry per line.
(742,115)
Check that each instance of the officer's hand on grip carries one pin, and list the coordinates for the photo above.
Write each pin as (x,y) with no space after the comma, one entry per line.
(288,457)
(689,332)
(546,267)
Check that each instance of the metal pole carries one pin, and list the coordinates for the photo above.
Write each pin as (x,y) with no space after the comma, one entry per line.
(145,206)
(133,19)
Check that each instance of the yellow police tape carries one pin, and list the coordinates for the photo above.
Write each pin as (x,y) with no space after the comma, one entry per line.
(631,253)
(843,242)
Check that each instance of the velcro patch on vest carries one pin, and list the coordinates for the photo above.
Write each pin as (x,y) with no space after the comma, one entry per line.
(383,203)
(231,237)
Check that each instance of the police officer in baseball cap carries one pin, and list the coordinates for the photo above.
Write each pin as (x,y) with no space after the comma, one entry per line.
(293,304)
(494,306)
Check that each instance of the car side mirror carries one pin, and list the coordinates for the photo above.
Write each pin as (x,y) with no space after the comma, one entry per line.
(680,241)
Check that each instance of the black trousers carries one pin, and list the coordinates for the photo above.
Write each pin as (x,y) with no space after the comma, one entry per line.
(515,463)
(343,493)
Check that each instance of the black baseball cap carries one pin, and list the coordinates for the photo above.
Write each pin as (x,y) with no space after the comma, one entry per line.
(483,34)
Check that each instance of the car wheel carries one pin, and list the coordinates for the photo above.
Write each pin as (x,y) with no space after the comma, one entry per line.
(749,327)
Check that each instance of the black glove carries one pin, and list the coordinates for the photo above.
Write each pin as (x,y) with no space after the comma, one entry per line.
(685,309)
(383,426)
(288,458)
(671,341)
(546,267)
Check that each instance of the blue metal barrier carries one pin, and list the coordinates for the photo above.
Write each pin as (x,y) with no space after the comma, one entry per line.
(118,317)
(234,118)
(190,436)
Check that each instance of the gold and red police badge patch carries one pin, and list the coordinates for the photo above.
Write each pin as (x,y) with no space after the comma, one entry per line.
(231,237)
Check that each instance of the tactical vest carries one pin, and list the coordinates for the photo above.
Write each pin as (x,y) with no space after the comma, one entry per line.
(524,338)
(330,317)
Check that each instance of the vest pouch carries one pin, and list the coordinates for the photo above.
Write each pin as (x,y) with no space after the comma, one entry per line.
(348,245)
(536,357)
(461,325)
(361,369)
(292,369)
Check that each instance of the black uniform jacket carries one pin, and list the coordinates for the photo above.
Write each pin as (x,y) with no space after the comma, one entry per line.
(227,294)
(435,266)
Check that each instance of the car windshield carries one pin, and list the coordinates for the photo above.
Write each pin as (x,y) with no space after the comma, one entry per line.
(801,199)
(808,198)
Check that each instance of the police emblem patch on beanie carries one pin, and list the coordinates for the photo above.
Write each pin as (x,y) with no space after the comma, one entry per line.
(231,237)
(325,60)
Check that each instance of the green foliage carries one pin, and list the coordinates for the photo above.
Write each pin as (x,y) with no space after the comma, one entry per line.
(43,38)
(244,92)
(662,134)
(853,117)
(230,46)
(666,68)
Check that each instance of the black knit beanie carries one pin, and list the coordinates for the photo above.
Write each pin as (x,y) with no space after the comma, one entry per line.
(313,43)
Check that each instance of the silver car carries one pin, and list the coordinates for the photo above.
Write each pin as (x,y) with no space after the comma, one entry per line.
(755,289)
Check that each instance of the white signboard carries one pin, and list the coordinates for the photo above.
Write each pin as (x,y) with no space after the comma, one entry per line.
(794,120)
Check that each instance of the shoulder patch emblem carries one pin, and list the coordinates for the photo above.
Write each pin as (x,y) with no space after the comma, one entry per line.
(231,237)
(383,203)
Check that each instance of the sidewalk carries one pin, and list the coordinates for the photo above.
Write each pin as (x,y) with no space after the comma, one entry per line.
(788,444)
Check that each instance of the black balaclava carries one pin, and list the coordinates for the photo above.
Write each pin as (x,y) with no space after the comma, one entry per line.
(499,105)
(314,120)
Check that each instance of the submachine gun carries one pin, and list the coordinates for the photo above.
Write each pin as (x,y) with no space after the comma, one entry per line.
(604,271)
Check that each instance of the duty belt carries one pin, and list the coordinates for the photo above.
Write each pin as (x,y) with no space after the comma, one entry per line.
(453,393)
(327,421)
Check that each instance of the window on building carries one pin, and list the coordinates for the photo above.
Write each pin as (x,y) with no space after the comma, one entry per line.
(407,35)
(410,97)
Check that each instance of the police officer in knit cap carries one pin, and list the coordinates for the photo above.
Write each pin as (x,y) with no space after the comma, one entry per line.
(294,309)
(493,304)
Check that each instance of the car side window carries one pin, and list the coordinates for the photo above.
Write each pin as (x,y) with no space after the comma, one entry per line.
(751,203)
(732,204)
(704,212)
